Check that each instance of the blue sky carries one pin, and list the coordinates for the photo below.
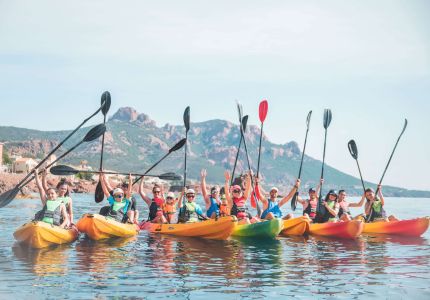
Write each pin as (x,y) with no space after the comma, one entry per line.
(369,61)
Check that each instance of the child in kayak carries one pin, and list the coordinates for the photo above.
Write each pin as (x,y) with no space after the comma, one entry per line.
(310,205)
(212,201)
(119,202)
(271,207)
(169,207)
(344,212)
(155,204)
(374,207)
(54,211)
(191,211)
(237,199)
(224,208)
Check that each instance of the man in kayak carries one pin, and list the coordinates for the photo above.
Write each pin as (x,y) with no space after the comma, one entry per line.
(237,199)
(212,201)
(344,212)
(271,207)
(155,204)
(374,207)
(310,205)
(331,208)
(119,202)
(54,211)
(191,212)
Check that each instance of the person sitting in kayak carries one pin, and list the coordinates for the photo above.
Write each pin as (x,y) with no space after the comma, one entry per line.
(374,207)
(272,208)
(310,205)
(331,208)
(344,212)
(212,201)
(119,202)
(237,199)
(224,208)
(191,211)
(53,211)
(155,204)
(169,207)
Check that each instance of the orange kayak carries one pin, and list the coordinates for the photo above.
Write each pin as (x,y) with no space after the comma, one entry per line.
(213,229)
(296,226)
(98,227)
(344,230)
(413,227)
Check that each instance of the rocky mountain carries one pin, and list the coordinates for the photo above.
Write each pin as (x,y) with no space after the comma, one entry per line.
(134,142)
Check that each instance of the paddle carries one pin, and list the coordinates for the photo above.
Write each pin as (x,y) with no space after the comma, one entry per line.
(389,161)
(93,134)
(352,147)
(63,170)
(176,147)
(294,200)
(8,196)
(262,113)
(242,123)
(99,194)
(326,124)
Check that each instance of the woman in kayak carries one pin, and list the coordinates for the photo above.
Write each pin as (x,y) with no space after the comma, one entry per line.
(155,204)
(191,212)
(310,205)
(344,212)
(119,201)
(169,207)
(271,207)
(331,208)
(54,211)
(237,199)
(374,207)
(212,201)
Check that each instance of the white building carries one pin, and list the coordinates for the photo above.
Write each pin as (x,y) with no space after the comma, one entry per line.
(23,165)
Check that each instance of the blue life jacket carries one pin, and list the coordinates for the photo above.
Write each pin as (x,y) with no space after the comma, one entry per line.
(273,207)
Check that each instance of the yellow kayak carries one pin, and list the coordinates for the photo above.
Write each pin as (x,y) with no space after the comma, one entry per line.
(98,227)
(38,234)
(295,226)
(219,229)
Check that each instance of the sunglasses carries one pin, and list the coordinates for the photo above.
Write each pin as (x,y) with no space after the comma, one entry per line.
(236,191)
(118,195)
(190,196)
(171,198)
(214,192)
(156,192)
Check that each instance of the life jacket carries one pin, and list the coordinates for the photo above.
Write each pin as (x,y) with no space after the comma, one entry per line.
(188,213)
(343,209)
(239,209)
(116,211)
(272,207)
(311,209)
(65,199)
(377,212)
(223,210)
(156,208)
(327,215)
(50,213)
(214,208)
(169,209)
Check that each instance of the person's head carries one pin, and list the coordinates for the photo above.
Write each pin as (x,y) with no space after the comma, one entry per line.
(223,199)
(215,191)
(170,197)
(274,193)
(156,191)
(331,196)
(124,186)
(236,191)
(118,194)
(342,195)
(51,194)
(369,193)
(191,194)
(63,188)
(312,193)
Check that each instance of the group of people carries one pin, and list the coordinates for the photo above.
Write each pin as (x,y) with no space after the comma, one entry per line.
(167,208)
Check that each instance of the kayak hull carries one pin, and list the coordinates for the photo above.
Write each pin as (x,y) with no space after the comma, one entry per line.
(215,229)
(413,227)
(265,229)
(98,227)
(37,234)
(297,226)
(344,230)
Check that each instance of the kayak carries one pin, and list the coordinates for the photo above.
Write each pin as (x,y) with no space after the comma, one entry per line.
(215,229)
(413,227)
(37,234)
(344,230)
(296,226)
(98,227)
(264,229)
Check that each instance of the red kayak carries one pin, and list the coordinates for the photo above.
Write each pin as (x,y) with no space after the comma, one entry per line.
(344,230)
(413,227)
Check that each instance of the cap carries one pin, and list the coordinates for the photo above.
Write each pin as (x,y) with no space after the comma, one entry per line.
(190,191)
(117,191)
(214,189)
(312,190)
(236,187)
(170,195)
(274,189)
(332,192)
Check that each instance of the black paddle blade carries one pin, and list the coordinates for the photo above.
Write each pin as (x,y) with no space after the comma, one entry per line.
(187,118)
(63,170)
(239,111)
(95,133)
(178,145)
(327,118)
(8,196)
(107,102)
(352,147)
(244,123)
(170,176)
(308,119)
(99,194)
(294,202)
(404,126)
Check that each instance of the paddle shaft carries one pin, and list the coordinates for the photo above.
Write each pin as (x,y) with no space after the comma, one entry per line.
(361,176)
(322,169)
(103,145)
(235,162)
(259,150)
(149,170)
(185,161)
(112,173)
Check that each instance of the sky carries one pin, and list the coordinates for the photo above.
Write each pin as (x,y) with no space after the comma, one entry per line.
(368,61)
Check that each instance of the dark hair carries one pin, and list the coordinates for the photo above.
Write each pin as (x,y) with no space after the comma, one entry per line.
(328,195)
(63,182)
(369,190)
(341,191)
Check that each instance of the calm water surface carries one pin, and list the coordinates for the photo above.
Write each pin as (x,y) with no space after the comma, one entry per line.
(151,266)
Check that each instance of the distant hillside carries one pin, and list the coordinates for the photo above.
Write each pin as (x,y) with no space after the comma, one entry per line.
(134,142)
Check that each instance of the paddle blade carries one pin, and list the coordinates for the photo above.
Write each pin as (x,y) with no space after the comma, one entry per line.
(244,123)
(187,118)
(239,111)
(308,119)
(294,202)
(404,126)
(262,111)
(99,194)
(170,176)
(106,102)
(63,170)
(95,133)
(178,145)
(8,196)
(352,147)
(327,118)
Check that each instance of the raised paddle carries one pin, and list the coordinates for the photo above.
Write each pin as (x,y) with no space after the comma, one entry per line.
(187,128)
(63,170)
(242,122)
(294,200)
(262,113)
(8,196)
(176,147)
(326,124)
(352,147)
(389,161)
(99,194)
(93,134)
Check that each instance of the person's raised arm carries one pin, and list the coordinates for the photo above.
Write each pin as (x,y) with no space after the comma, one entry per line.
(248,187)
(205,195)
(290,194)
(40,187)
(258,190)
(359,203)
(181,202)
(227,188)
(104,184)
(45,180)
(143,195)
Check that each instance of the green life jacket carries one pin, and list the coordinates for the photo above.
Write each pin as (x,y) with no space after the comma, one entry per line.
(116,211)
(191,214)
(328,217)
(51,212)
(377,212)
(66,200)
